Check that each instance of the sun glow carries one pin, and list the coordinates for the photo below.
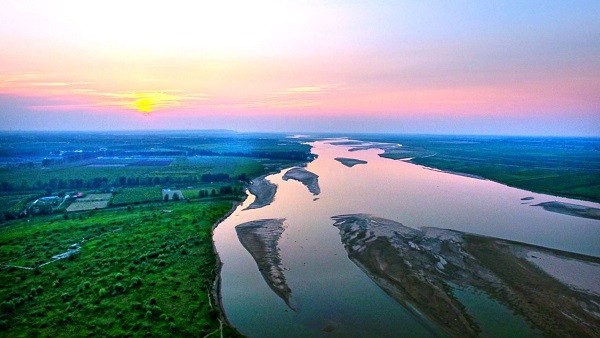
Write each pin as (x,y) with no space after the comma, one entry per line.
(148,102)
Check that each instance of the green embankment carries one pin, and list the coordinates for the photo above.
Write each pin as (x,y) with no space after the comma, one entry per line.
(148,271)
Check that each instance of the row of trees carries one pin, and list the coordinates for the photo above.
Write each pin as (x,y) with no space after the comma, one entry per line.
(122,181)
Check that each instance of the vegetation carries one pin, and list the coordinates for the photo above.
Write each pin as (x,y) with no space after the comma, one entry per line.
(141,267)
(138,272)
(135,165)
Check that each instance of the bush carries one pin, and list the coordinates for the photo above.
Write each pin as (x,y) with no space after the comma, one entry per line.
(119,288)
(136,282)
(6,308)
(102,292)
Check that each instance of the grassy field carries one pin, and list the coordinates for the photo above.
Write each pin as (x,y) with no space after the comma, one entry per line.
(138,272)
(567,167)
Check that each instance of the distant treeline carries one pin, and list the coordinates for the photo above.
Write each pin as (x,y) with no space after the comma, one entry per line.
(123,181)
(75,156)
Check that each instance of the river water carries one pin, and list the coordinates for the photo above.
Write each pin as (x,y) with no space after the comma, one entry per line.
(331,296)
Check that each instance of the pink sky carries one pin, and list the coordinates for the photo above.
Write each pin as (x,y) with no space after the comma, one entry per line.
(507,68)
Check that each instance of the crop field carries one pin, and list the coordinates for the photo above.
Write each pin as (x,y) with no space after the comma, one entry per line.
(138,272)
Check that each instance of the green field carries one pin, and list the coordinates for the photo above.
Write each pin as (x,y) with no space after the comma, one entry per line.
(139,272)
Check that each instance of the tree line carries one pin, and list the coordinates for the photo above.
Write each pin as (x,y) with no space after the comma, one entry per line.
(122,181)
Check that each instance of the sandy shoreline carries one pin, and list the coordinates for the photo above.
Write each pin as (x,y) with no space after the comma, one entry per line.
(419,267)
(309,179)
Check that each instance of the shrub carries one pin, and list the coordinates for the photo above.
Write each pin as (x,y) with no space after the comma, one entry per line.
(65,296)
(119,288)
(102,292)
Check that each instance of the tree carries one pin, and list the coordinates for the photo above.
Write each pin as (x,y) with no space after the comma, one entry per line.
(166,197)
(213,192)
(175,197)
(225,190)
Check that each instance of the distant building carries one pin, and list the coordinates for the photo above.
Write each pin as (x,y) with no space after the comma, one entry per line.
(171,195)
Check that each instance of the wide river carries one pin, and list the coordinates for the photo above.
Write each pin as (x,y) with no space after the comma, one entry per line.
(330,294)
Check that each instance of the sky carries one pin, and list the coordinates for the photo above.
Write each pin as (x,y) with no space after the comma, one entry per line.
(432,67)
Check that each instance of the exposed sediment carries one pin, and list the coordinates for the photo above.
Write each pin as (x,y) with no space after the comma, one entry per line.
(309,179)
(570,209)
(420,267)
(263,190)
(349,162)
(261,239)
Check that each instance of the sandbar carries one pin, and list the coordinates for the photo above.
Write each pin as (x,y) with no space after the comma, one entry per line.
(263,190)
(309,179)
(570,209)
(261,239)
(420,268)
(349,162)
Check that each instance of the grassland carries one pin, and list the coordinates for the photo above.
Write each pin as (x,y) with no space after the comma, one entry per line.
(139,272)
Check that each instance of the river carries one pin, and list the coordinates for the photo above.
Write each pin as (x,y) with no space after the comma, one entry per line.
(331,295)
